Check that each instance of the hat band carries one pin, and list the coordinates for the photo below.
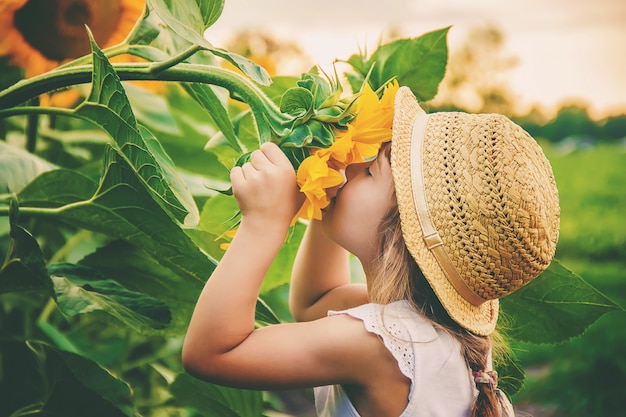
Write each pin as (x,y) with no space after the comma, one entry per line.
(431,235)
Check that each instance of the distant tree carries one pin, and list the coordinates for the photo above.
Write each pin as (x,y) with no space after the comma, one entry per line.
(613,127)
(572,120)
(533,121)
(474,78)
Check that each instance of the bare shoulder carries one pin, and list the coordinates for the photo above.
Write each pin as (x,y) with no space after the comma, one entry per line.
(379,387)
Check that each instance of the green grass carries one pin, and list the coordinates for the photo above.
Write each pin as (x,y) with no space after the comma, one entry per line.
(587,375)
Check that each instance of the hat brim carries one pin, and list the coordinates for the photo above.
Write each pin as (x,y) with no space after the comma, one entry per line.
(479,319)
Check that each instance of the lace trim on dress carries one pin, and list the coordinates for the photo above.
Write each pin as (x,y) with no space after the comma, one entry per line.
(389,323)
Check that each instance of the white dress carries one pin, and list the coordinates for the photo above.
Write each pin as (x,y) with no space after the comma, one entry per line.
(441,381)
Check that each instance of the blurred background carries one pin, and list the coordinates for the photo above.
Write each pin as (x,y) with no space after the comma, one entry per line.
(557,67)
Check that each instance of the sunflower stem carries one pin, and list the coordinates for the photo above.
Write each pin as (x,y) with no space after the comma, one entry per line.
(158,67)
(266,112)
(36,111)
(32,123)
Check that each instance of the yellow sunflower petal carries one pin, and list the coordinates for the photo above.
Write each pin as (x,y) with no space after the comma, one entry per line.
(314,177)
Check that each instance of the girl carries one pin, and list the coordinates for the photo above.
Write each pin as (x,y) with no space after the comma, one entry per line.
(458,211)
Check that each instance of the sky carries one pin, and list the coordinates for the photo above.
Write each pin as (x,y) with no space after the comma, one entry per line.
(567,50)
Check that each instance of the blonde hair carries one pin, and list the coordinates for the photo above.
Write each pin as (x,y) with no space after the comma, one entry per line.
(398,277)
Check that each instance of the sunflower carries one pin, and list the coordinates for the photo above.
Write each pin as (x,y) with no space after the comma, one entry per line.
(38,35)
(359,142)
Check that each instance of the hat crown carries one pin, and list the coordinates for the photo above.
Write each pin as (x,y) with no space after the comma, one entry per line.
(493,199)
(478,206)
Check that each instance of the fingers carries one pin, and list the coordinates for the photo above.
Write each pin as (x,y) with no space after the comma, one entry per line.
(274,154)
(259,160)
(264,159)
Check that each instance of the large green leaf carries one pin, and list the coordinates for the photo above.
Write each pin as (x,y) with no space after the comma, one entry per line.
(39,379)
(18,167)
(119,207)
(214,400)
(189,19)
(109,108)
(554,307)
(138,271)
(418,63)
(82,290)
(152,109)
(206,97)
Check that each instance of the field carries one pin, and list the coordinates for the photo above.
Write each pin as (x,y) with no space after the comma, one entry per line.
(586,376)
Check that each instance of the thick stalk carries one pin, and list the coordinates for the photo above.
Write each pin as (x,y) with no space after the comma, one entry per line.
(32,126)
(262,107)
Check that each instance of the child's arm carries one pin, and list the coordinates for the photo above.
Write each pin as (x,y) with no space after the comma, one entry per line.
(320,278)
(267,195)
(222,344)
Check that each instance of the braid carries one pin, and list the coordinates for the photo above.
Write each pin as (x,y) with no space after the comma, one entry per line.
(410,284)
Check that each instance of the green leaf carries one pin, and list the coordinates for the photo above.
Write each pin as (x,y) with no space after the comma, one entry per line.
(109,108)
(189,18)
(175,182)
(323,135)
(296,155)
(136,270)
(554,307)
(18,167)
(245,129)
(256,72)
(299,137)
(185,146)
(146,30)
(211,10)
(219,215)
(50,382)
(205,96)
(119,207)
(279,85)
(324,93)
(214,400)
(51,189)
(25,267)
(297,102)
(82,290)
(151,109)
(264,315)
(148,53)
(418,63)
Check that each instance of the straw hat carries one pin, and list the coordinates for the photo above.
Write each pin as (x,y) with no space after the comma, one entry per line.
(478,205)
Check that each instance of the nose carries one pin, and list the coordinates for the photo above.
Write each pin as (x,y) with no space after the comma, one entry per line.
(350,171)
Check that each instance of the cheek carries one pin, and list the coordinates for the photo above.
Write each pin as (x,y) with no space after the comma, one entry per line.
(353,223)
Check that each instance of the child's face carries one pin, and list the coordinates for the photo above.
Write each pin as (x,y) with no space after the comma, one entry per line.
(355,213)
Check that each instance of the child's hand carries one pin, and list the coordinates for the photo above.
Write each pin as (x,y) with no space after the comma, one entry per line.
(265,187)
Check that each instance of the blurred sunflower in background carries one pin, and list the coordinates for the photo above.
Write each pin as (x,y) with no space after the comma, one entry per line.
(39,35)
